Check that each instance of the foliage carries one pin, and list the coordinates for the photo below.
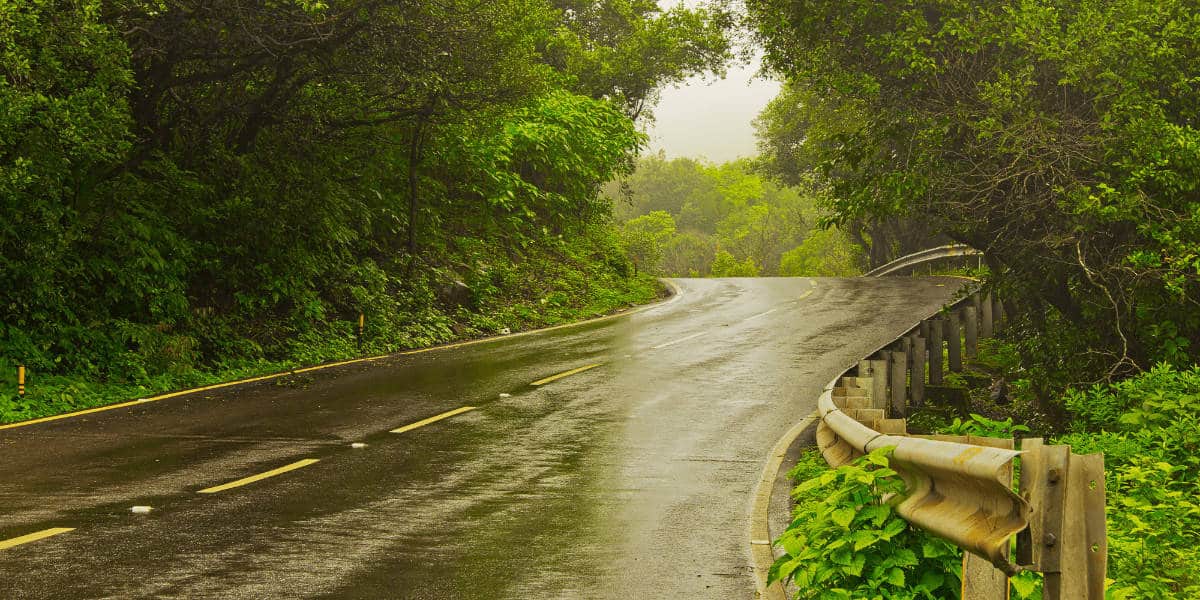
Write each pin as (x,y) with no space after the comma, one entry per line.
(1146,427)
(729,222)
(845,542)
(725,265)
(1060,137)
(198,187)
(982,426)
(646,236)
(824,253)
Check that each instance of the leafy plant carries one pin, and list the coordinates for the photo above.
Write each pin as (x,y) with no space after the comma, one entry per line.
(846,540)
(982,426)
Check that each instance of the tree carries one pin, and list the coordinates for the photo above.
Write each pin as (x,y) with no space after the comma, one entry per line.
(645,237)
(824,253)
(725,265)
(1058,137)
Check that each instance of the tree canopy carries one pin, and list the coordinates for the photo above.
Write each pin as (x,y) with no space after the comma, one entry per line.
(185,183)
(1058,137)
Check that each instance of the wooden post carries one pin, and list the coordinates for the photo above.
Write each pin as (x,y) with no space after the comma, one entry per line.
(917,382)
(985,317)
(935,351)
(898,384)
(953,342)
(971,331)
(879,381)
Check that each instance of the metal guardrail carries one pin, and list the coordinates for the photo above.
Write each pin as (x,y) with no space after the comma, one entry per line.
(961,487)
(924,256)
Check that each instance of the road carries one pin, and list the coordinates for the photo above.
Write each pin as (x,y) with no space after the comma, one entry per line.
(629,479)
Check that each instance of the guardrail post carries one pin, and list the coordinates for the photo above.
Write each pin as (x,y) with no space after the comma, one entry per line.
(1066,539)
(876,371)
(935,351)
(917,379)
(985,317)
(899,378)
(953,342)
(879,379)
(971,331)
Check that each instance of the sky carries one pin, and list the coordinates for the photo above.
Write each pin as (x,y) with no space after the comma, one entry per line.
(711,119)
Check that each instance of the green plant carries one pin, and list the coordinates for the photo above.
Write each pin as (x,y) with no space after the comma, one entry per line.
(846,540)
(982,426)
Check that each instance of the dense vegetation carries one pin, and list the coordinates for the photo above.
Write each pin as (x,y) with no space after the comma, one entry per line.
(1061,138)
(192,188)
(687,218)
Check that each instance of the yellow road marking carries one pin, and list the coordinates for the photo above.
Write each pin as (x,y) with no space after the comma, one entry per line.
(808,293)
(565,374)
(433,419)
(33,537)
(251,479)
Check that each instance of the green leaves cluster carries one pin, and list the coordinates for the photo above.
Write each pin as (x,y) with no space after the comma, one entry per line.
(1058,136)
(1146,428)
(200,185)
(846,540)
(725,221)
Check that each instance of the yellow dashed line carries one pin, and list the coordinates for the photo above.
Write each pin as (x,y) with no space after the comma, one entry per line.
(251,479)
(565,374)
(433,419)
(33,537)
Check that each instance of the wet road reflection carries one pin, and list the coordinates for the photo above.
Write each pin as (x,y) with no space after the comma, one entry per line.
(630,478)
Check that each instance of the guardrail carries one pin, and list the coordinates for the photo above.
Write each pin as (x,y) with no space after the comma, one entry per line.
(922,257)
(961,487)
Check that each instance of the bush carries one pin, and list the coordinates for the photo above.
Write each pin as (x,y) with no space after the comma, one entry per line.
(845,542)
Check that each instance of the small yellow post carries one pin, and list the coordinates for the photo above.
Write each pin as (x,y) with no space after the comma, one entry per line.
(362,321)
(21,380)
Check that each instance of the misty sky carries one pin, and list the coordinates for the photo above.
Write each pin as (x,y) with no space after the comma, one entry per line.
(711,120)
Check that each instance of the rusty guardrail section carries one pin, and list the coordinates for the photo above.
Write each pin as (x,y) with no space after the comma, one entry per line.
(917,258)
(961,487)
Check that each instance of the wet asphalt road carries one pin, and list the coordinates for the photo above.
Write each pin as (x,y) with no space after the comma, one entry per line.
(632,479)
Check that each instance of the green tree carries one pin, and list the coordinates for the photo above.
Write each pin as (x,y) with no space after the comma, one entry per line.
(645,237)
(725,265)
(824,253)
(1059,137)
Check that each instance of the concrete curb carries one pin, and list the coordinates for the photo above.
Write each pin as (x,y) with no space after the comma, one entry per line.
(760,533)
(676,292)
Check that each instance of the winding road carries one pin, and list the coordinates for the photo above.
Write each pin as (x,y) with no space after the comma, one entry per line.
(613,459)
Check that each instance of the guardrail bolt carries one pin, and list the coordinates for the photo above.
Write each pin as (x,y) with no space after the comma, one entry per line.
(1050,540)
(1053,475)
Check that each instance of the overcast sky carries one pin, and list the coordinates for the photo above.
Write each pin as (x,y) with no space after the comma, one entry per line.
(711,120)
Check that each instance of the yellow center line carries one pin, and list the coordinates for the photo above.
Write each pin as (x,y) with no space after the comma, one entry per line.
(807,294)
(33,537)
(251,479)
(433,419)
(565,374)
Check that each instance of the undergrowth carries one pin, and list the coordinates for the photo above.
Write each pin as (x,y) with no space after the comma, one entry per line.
(548,286)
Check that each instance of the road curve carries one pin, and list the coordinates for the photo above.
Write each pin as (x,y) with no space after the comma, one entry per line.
(627,472)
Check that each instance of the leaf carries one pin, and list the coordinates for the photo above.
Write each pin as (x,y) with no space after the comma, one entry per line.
(895,577)
(842,516)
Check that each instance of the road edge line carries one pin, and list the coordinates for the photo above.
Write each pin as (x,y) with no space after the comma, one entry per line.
(762,554)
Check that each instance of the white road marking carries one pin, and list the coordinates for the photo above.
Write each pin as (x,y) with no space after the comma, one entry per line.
(761,314)
(682,339)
